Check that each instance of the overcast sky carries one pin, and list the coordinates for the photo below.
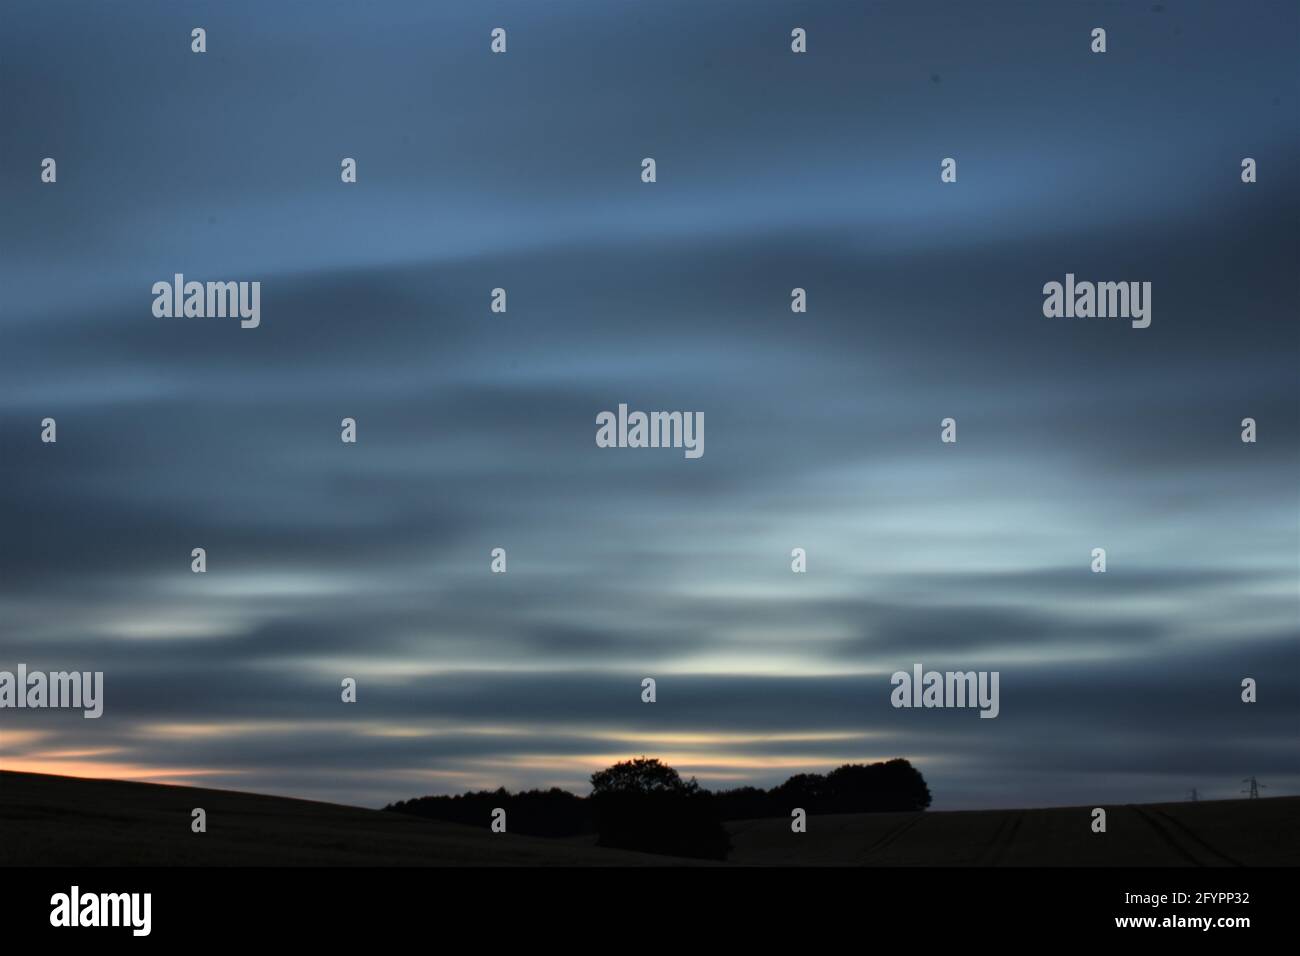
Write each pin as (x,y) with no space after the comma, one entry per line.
(476,430)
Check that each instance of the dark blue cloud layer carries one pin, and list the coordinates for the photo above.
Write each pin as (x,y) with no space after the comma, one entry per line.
(477,430)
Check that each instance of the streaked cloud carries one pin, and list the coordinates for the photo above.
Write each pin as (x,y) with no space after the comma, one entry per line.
(476,430)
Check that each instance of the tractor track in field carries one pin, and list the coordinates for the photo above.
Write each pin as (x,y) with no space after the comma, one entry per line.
(890,837)
(1195,838)
(1165,835)
(1003,837)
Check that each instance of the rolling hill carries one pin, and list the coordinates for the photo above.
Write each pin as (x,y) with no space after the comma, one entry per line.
(65,821)
(1208,833)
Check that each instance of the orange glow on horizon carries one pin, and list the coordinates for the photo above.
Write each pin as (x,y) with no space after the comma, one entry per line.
(51,763)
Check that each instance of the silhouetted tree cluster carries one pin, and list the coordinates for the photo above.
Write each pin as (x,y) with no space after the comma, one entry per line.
(643,804)
(892,785)
(549,813)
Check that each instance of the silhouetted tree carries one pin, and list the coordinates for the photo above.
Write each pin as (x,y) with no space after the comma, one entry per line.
(641,775)
(871,788)
(553,812)
(745,803)
(643,804)
(807,790)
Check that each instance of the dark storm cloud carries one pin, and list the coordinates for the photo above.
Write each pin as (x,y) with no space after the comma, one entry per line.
(476,429)
(1179,687)
(1177,718)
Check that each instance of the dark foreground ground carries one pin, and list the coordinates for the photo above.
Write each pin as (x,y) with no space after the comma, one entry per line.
(66,821)
(57,821)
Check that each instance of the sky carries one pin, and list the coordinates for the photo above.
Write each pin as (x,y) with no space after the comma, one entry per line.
(476,430)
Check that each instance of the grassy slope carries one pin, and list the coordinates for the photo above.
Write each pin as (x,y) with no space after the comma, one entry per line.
(48,820)
(1209,833)
(58,821)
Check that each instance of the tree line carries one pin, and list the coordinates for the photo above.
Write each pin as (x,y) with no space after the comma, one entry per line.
(644,804)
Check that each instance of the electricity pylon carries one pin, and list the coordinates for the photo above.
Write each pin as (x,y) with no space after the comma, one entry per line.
(1254,787)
